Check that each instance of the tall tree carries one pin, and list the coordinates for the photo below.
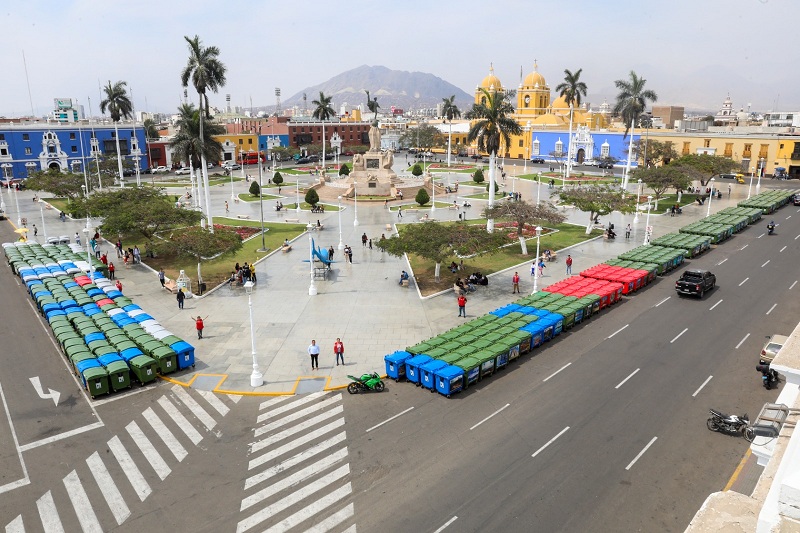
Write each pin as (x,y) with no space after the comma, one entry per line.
(450,111)
(597,201)
(150,128)
(656,152)
(632,99)
(205,71)
(525,213)
(572,89)
(659,179)
(423,136)
(323,111)
(492,127)
(187,144)
(119,106)
(703,167)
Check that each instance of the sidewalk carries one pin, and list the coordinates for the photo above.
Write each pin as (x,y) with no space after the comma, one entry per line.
(360,303)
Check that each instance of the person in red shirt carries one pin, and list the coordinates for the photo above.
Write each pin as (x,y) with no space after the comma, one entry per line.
(515,283)
(119,286)
(111,270)
(569,264)
(462,306)
(338,350)
(198,324)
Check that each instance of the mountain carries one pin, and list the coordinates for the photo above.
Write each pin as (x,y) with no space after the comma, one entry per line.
(406,90)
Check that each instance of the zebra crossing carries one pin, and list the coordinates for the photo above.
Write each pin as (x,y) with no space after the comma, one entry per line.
(287,488)
(117,476)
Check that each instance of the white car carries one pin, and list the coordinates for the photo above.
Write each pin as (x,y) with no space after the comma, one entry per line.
(160,170)
(183,170)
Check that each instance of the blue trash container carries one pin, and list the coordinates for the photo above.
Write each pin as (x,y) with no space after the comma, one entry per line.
(427,378)
(129,353)
(185,353)
(396,364)
(412,367)
(450,379)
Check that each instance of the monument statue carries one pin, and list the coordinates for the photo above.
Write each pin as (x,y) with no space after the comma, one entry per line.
(374,139)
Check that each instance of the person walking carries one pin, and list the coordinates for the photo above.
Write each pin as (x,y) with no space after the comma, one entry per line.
(161,277)
(77,239)
(569,264)
(226,206)
(331,251)
(111,270)
(515,283)
(137,256)
(462,305)
(541,266)
(36,230)
(400,211)
(628,231)
(119,286)
(313,351)
(180,297)
(199,325)
(364,240)
(349,252)
(338,351)
(119,249)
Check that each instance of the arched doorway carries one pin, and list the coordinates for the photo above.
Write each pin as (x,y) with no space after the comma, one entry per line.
(54,165)
(581,156)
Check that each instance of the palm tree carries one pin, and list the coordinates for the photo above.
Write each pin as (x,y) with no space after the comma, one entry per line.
(631,103)
(206,71)
(493,126)
(119,106)
(450,111)
(572,90)
(323,111)
(187,145)
(150,128)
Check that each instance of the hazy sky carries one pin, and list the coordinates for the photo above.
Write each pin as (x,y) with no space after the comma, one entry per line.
(692,52)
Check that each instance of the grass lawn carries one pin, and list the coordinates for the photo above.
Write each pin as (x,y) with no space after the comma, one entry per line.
(59,203)
(417,207)
(307,207)
(247,197)
(669,200)
(567,235)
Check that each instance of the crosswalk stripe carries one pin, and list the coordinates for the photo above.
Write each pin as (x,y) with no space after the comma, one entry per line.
(298,477)
(235,397)
(194,407)
(277,437)
(215,402)
(130,469)
(297,415)
(272,401)
(16,525)
(49,514)
(308,437)
(81,504)
(304,514)
(351,529)
(297,459)
(108,488)
(292,499)
(148,450)
(180,420)
(283,408)
(333,520)
(165,434)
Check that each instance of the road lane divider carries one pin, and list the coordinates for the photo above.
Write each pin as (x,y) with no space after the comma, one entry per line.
(760,235)
(679,335)
(556,372)
(782,249)
(621,383)
(446,524)
(662,301)
(620,329)
(701,386)
(718,264)
(790,216)
(792,285)
(771,308)
(742,341)
(551,441)
(713,306)
(743,281)
(766,263)
(488,417)
(641,453)
(743,247)
(376,426)
(798,237)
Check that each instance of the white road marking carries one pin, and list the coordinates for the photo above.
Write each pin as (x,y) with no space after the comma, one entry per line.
(294,460)
(333,520)
(165,434)
(125,461)
(743,281)
(25,479)
(272,401)
(325,404)
(782,249)
(61,436)
(214,401)
(292,499)
(80,501)
(742,341)
(446,524)
(701,386)
(765,264)
(760,235)
(625,326)
(743,247)
(277,437)
(793,284)
(713,306)
(678,335)
(304,514)
(16,525)
(389,419)
(148,450)
(798,237)
(771,308)
(288,407)
(294,479)
(488,417)
(551,441)
(718,264)
(235,397)
(556,372)
(661,302)
(790,216)
(621,383)
(108,488)
(181,421)
(49,514)
(194,407)
(641,453)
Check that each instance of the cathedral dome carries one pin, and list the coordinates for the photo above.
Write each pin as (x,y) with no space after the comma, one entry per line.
(534,79)
(491,81)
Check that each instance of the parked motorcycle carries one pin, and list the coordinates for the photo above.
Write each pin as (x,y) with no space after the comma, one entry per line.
(366,382)
(771,228)
(769,377)
(730,424)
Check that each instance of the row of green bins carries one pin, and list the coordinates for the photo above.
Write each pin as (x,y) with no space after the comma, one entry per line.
(768,201)
(666,258)
(119,375)
(693,244)
(717,232)
(753,214)
(739,222)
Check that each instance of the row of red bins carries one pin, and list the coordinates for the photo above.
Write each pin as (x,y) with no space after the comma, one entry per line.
(578,286)
(631,279)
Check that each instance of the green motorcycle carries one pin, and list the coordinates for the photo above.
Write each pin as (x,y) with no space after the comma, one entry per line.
(366,382)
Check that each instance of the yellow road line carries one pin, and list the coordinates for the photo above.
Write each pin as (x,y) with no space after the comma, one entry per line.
(738,471)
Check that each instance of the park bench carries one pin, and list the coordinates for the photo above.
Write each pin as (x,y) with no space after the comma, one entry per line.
(243,216)
(404,283)
(286,248)
(171,285)
(292,220)
(388,228)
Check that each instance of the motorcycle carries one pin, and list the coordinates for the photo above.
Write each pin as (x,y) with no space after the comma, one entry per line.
(769,376)
(730,424)
(770,228)
(366,382)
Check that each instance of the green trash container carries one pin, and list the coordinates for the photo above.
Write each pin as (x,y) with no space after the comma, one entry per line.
(144,368)
(96,381)
(151,346)
(166,358)
(119,375)
(471,367)
(417,349)
(78,357)
(436,353)
(521,341)
(487,362)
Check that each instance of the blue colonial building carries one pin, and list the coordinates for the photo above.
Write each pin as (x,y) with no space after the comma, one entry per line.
(32,146)
(588,146)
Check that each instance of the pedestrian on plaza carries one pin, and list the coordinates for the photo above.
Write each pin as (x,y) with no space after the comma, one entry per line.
(330,253)
(104,259)
(119,248)
(313,351)
(226,206)
(349,252)
(161,277)
(386,204)
(364,239)
(111,270)
(199,325)
(180,297)
(370,244)
(541,266)
(400,211)
(569,264)
(462,305)
(63,216)
(338,351)
(35,230)
(118,284)
(628,231)
(137,256)
(77,239)
(729,191)
(515,283)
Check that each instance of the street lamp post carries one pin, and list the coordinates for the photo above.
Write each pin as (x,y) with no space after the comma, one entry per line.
(232,195)
(261,205)
(638,195)
(16,202)
(86,230)
(538,187)
(312,288)
(256,378)
(297,192)
(750,187)
(647,229)
(760,171)
(44,228)
(355,205)
(433,194)
(341,243)
(711,195)
(536,261)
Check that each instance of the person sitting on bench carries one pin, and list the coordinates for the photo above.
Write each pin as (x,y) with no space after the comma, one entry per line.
(610,233)
(548,255)
(453,267)
(403,277)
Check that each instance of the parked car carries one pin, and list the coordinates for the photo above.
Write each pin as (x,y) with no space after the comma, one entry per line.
(538,160)
(605,164)
(313,158)
(772,347)
(230,165)
(183,170)
(160,170)
(695,282)
(348,153)
(303,161)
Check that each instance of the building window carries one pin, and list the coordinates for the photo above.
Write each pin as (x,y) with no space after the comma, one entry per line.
(728,150)
(706,143)
(249,141)
(26,137)
(74,149)
(113,134)
(747,150)
(520,143)
(3,152)
(241,141)
(763,151)
(686,147)
(2,136)
(72,136)
(27,151)
(110,147)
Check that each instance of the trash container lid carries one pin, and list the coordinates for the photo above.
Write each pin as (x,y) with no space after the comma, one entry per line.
(433,365)
(467,363)
(85,364)
(397,357)
(94,372)
(418,360)
(142,361)
(109,358)
(449,371)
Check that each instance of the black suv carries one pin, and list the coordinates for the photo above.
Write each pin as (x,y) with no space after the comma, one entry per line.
(537,160)
(605,164)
